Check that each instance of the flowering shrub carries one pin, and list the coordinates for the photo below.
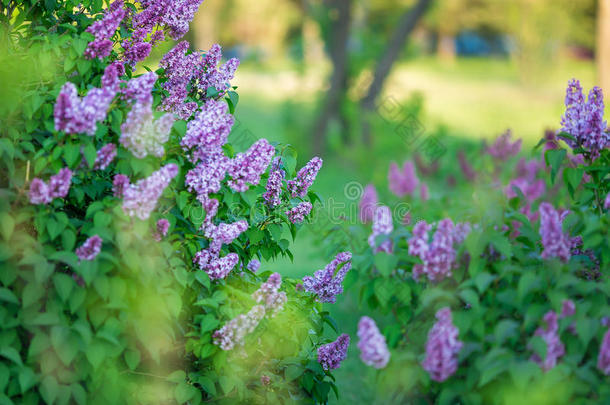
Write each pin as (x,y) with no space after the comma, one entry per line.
(501,298)
(132,233)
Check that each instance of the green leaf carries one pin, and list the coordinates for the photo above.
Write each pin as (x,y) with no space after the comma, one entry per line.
(482,281)
(78,393)
(72,154)
(572,178)
(7,225)
(292,372)
(63,284)
(90,154)
(554,158)
(385,263)
(27,379)
(226,383)
(49,389)
(207,384)
(132,358)
(8,296)
(177,376)
(12,354)
(184,392)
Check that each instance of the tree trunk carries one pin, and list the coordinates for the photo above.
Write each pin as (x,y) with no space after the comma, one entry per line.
(337,50)
(603,45)
(405,26)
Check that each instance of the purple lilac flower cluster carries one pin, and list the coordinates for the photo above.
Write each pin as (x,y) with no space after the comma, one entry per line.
(373,348)
(183,68)
(607,202)
(90,248)
(503,148)
(235,331)
(382,225)
(119,183)
(298,213)
(556,243)
(162,228)
(140,199)
(325,283)
(140,133)
(105,156)
(305,177)
(74,115)
(215,267)
(368,203)
(567,308)
(402,182)
(208,132)
(442,347)
(103,30)
(527,181)
(332,354)
(272,195)
(439,256)
(603,359)
(248,166)
(550,335)
(206,177)
(58,187)
(254,265)
(584,119)
(269,296)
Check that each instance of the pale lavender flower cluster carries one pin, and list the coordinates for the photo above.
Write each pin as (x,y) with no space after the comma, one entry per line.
(567,308)
(439,256)
(269,295)
(248,166)
(368,203)
(140,199)
(373,348)
(216,76)
(442,347)
(274,188)
(402,182)
(58,187)
(382,225)
(216,267)
(176,15)
(584,119)
(206,177)
(503,147)
(332,354)
(103,30)
(556,243)
(105,156)
(297,214)
(119,183)
(607,202)
(531,187)
(254,265)
(73,114)
(235,331)
(208,132)
(325,283)
(90,248)
(603,359)
(140,133)
(554,347)
(162,228)
(305,177)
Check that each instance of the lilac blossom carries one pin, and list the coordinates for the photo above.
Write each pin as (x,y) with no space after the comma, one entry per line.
(180,69)
(402,182)
(554,347)
(172,14)
(382,225)
(269,296)
(503,148)
(216,76)
(332,354)
(119,183)
(556,243)
(216,267)
(298,213)
(373,348)
(162,228)
(39,192)
(567,308)
(74,115)
(103,30)
(206,177)
(584,119)
(208,132)
(248,166)
(140,199)
(305,177)
(90,248)
(105,156)
(442,347)
(368,203)
(603,359)
(254,265)
(466,167)
(58,187)
(607,202)
(424,192)
(273,193)
(235,331)
(439,256)
(265,380)
(325,283)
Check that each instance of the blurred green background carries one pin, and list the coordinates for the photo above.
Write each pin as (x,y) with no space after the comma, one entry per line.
(338,78)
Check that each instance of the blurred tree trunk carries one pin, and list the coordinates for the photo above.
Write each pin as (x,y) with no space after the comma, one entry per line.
(603,45)
(337,50)
(406,24)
